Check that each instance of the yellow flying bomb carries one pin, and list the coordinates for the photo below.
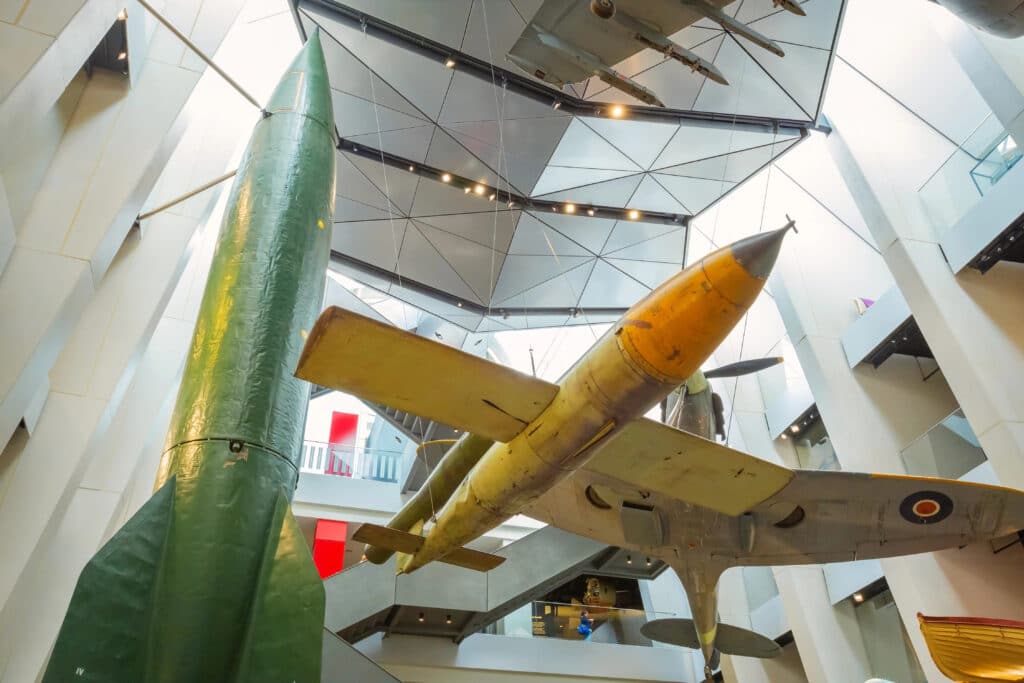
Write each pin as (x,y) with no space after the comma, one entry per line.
(526,434)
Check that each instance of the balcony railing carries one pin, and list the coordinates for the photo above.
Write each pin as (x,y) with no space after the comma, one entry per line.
(969,173)
(612,625)
(351,461)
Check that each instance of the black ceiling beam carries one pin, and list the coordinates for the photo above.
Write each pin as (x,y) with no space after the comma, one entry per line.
(506,197)
(527,87)
(495,312)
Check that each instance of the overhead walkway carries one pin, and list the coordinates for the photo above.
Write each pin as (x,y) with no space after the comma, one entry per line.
(886,328)
(451,602)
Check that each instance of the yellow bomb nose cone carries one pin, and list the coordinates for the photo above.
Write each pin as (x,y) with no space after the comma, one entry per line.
(757,253)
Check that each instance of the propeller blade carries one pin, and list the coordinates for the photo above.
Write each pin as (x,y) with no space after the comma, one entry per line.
(743,367)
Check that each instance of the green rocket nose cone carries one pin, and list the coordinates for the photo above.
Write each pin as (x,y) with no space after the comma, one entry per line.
(304,88)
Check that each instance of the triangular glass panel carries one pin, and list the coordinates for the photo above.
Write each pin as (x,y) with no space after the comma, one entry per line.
(374,242)
(478,266)
(421,262)
(651,274)
(751,90)
(592,233)
(695,193)
(520,273)
(641,141)
(651,196)
(611,288)
(485,228)
(628,233)
(666,248)
(583,148)
(696,141)
(817,29)
(614,193)
(535,238)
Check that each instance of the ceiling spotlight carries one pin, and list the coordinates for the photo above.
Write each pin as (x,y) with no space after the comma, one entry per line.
(570,208)
(633,214)
(795,429)
(493,195)
(448,619)
(121,56)
(446,177)
(629,559)
(450,62)
(122,15)
(411,168)
(466,189)
(858,597)
(421,618)
(557,104)
(479,189)
(590,212)
(617,111)
(459,304)
(648,562)
(784,436)
(554,208)
(511,204)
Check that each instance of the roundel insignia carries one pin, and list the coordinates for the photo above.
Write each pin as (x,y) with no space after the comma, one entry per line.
(926,507)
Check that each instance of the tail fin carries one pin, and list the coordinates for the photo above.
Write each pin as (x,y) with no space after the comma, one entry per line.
(407,544)
(109,627)
(730,640)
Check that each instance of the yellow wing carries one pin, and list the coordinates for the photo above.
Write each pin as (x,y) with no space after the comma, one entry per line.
(383,364)
(652,457)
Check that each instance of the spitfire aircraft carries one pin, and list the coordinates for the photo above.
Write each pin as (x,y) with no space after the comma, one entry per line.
(579,454)
(566,42)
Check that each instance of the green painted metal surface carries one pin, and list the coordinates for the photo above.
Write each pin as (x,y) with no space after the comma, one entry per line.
(212,580)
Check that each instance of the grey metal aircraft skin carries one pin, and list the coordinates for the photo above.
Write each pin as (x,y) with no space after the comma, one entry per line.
(569,41)
(1003,18)
(818,517)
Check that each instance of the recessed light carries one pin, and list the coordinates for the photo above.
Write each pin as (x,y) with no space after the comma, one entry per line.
(450,63)
(617,111)
(122,56)
(122,15)
(411,168)
(422,617)
(557,104)
(590,212)
(446,177)
(795,429)
(479,189)
(633,214)
(570,208)
(629,559)
(858,597)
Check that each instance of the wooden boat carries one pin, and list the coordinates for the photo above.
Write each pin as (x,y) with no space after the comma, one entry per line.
(973,650)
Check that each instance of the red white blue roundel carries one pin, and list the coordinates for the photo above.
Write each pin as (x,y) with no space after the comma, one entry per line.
(926,507)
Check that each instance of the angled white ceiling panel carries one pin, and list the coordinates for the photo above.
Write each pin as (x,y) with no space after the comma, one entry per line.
(488,228)
(609,193)
(398,185)
(494,27)
(421,261)
(651,274)
(641,141)
(610,287)
(651,196)
(374,242)
(583,148)
(349,210)
(443,21)
(592,233)
(356,116)
(557,178)
(410,143)
(750,89)
(535,238)
(667,248)
(563,290)
(449,154)
(694,142)
(520,273)
(628,233)
(478,266)
(696,193)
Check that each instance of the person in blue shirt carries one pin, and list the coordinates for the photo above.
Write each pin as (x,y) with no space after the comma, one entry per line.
(586,627)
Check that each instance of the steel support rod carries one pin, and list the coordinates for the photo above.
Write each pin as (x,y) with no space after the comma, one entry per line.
(187,195)
(202,55)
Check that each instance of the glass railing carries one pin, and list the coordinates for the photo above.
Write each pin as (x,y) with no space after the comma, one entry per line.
(949,450)
(969,172)
(612,625)
(356,462)
(760,585)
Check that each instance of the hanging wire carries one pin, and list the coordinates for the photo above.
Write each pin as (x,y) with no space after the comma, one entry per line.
(387,186)
(499,111)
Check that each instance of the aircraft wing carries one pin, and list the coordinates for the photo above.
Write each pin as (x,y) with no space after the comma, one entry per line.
(835,516)
(573,22)
(647,456)
(383,364)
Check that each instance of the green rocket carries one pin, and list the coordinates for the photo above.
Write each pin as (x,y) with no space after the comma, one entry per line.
(211,580)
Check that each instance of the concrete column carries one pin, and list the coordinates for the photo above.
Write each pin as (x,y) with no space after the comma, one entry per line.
(992,82)
(972,322)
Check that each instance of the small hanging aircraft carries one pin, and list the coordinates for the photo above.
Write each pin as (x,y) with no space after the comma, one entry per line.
(568,42)
(579,454)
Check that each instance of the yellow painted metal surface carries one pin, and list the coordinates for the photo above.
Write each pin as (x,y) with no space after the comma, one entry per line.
(677,326)
(383,364)
(973,650)
(651,456)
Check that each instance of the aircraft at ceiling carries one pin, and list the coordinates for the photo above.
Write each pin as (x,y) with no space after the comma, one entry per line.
(484,265)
